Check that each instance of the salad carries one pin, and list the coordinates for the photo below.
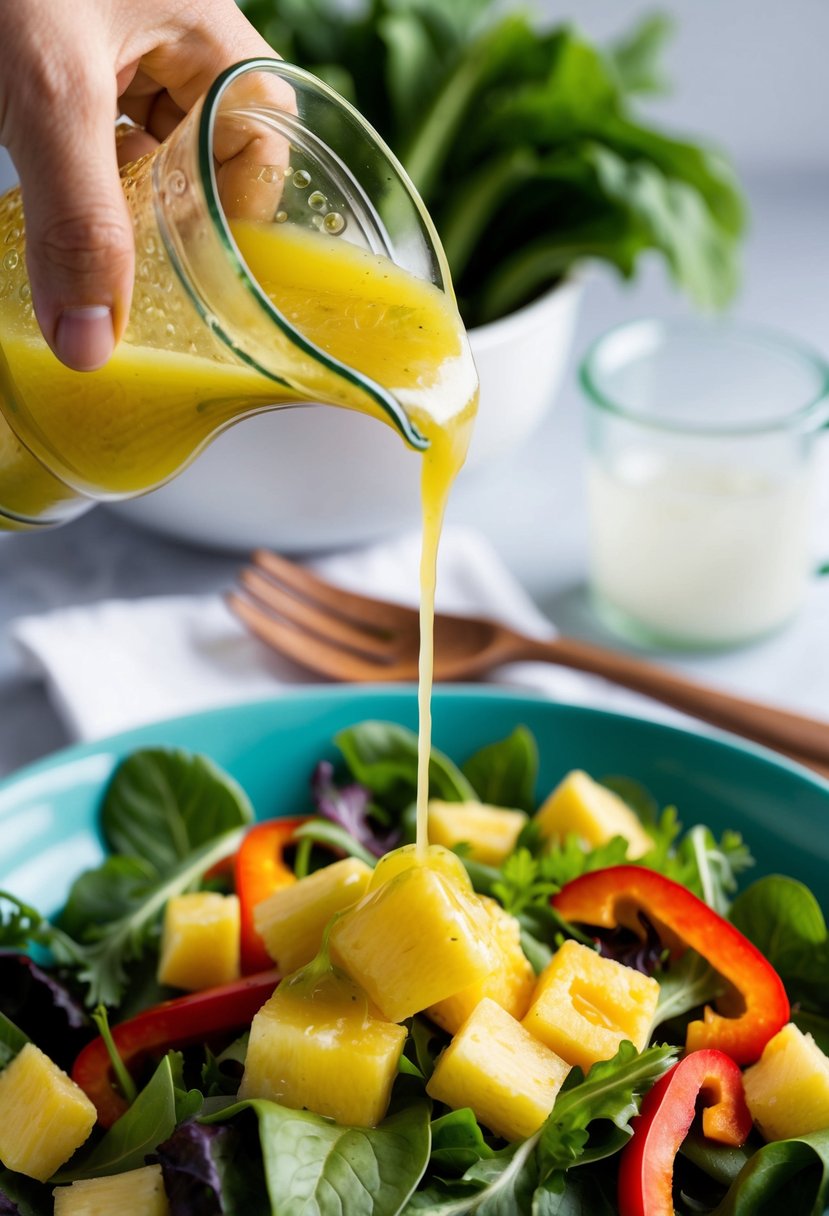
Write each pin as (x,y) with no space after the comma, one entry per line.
(568,1007)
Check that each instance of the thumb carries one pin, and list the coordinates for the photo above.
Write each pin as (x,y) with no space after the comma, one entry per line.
(79,239)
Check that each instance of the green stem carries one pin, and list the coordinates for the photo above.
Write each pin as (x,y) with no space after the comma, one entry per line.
(122,1074)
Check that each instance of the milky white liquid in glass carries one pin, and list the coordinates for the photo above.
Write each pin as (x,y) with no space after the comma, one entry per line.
(696,553)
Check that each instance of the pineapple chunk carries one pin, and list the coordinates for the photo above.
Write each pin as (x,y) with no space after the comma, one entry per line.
(292,921)
(787,1090)
(318,1044)
(595,814)
(584,1006)
(414,941)
(497,1068)
(44,1115)
(136,1193)
(200,941)
(434,857)
(510,984)
(489,831)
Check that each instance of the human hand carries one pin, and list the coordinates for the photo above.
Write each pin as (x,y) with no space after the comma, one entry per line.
(66,71)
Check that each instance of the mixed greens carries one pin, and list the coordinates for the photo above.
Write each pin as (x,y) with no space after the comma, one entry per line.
(166,1082)
(524,143)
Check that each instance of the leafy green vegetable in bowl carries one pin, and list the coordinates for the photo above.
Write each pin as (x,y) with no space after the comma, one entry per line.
(524,143)
(173,1120)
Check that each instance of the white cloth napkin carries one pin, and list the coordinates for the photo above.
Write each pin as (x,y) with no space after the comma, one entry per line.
(123,663)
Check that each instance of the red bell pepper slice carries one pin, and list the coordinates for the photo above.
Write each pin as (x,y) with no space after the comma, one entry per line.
(259,870)
(753,1010)
(646,1167)
(178,1023)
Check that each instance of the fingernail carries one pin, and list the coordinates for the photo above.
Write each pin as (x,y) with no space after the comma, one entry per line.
(84,337)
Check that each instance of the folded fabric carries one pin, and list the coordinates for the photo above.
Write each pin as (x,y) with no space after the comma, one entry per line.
(122,663)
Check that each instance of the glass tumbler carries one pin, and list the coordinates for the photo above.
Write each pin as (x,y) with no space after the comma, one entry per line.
(700,480)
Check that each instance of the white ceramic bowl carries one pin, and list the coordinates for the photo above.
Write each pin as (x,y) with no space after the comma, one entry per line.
(303,480)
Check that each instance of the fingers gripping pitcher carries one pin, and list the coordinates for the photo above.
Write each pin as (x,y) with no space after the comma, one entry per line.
(282,258)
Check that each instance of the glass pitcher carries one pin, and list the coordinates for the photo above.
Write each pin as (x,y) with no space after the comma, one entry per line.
(209,341)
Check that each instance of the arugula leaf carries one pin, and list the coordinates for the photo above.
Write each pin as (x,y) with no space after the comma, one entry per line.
(589,1122)
(18,922)
(334,836)
(322,1169)
(12,1040)
(611,1092)
(162,803)
(685,985)
(101,962)
(505,773)
(383,757)
(149,1121)
(789,1175)
(783,919)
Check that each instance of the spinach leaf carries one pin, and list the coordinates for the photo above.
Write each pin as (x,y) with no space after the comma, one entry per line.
(500,1185)
(322,1169)
(789,1175)
(722,1162)
(505,773)
(383,756)
(98,897)
(12,1040)
(457,1142)
(636,55)
(508,130)
(150,1120)
(162,803)
(783,919)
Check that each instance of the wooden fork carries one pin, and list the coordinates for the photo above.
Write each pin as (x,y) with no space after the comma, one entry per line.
(350,637)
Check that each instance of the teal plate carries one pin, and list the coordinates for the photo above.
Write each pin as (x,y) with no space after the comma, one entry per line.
(48,812)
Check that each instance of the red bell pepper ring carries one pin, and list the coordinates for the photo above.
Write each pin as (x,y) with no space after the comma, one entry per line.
(753,1010)
(189,1019)
(646,1167)
(259,870)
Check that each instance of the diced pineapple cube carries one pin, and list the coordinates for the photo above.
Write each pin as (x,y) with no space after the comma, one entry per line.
(581,806)
(414,941)
(200,941)
(787,1090)
(44,1115)
(489,831)
(584,1006)
(292,921)
(510,984)
(323,1047)
(434,857)
(136,1193)
(497,1068)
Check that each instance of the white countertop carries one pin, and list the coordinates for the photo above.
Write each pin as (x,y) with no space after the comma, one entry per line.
(531,507)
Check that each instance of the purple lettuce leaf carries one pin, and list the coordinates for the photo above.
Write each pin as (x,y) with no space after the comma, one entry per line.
(213,1170)
(351,807)
(43,1008)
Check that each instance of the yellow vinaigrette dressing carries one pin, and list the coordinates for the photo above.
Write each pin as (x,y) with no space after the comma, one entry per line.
(137,421)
